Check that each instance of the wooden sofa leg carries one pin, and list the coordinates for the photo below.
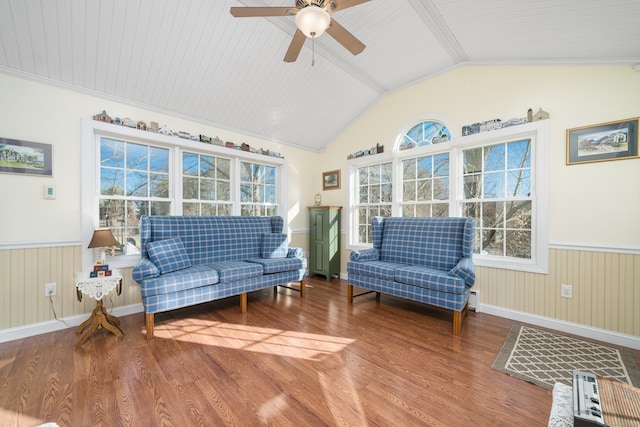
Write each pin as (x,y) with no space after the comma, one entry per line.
(302,288)
(148,321)
(350,294)
(378,296)
(243,303)
(457,322)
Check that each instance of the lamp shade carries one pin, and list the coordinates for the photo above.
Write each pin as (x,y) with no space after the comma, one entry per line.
(102,237)
(312,20)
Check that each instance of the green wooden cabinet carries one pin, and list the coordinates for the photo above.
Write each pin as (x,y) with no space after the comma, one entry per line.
(324,240)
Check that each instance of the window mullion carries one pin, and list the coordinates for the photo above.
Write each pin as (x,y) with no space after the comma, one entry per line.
(175,182)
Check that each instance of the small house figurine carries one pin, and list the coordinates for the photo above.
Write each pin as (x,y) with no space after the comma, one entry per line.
(129,122)
(153,127)
(103,117)
(540,115)
(164,130)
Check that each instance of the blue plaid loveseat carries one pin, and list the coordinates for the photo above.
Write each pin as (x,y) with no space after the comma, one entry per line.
(188,260)
(428,260)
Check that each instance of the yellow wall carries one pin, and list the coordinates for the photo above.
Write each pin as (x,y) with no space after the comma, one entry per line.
(594,208)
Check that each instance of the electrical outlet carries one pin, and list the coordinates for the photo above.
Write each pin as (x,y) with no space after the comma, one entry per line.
(566,291)
(50,290)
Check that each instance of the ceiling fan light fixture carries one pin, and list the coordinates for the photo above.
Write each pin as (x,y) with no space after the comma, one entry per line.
(312,21)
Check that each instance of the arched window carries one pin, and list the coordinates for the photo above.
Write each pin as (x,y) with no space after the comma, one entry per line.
(425,133)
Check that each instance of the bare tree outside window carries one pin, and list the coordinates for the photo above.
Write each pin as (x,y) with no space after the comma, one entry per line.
(258,190)
(375,185)
(425,186)
(497,193)
(206,185)
(134,181)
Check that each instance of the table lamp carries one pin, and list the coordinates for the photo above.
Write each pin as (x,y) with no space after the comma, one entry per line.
(102,238)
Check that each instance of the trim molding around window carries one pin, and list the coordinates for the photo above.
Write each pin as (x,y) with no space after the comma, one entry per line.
(539,135)
(93,130)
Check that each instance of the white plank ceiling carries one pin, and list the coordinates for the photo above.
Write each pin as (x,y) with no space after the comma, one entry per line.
(193,59)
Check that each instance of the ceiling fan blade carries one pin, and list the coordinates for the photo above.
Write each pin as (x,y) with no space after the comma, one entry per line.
(344,4)
(345,38)
(295,47)
(247,12)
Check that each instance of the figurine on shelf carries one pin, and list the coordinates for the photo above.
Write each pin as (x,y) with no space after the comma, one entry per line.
(103,117)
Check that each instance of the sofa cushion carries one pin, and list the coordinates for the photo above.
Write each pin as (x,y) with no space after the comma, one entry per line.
(430,278)
(277,265)
(168,255)
(187,278)
(274,245)
(378,269)
(232,271)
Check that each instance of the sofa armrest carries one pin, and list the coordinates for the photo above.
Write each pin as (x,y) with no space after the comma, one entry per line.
(465,270)
(145,269)
(365,255)
(295,253)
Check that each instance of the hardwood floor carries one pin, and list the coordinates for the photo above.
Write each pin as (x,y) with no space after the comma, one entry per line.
(286,362)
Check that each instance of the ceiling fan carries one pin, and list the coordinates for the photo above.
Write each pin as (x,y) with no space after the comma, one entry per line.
(312,20)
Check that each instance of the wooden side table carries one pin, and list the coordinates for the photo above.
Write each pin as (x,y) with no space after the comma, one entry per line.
(97,287)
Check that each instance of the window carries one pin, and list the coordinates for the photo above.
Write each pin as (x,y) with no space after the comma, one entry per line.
(206,185)
(425,133)
(500,178)
(127,173)
(425,186)
(374,196)
(258,189)
(497,192)
(134,181)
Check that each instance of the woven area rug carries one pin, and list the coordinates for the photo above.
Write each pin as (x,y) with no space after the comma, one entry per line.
(544,358)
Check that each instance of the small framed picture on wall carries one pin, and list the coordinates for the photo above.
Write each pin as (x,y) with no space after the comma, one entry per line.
(605,141)
(331,180)
(25,157)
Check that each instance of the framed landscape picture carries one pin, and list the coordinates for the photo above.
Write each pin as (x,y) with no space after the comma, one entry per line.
(606,141)
(331,180)
(24,157)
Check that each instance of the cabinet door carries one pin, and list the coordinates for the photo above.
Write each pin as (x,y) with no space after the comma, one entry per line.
(318,240)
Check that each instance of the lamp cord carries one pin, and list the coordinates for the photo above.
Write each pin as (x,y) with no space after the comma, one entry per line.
(55,316)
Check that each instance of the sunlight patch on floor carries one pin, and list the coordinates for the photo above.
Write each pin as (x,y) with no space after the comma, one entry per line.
(5,362)
(10,418)
(341,395)
(252,338)
(272,407)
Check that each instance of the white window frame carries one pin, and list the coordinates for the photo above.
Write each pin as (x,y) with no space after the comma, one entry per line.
(538,132)
(93,130)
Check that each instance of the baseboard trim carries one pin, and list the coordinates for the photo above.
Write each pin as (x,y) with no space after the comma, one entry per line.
(604,335)
(64,323)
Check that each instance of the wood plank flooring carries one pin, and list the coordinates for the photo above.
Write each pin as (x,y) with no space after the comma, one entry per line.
(286,362)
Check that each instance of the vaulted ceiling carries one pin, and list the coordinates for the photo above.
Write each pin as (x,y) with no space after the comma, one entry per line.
(193,59)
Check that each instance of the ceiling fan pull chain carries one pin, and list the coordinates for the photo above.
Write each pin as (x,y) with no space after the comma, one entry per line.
(313,49)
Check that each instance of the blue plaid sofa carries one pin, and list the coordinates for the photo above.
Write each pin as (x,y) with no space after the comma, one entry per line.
(428,260)
(188,260)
